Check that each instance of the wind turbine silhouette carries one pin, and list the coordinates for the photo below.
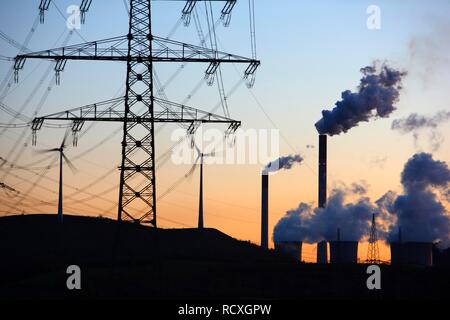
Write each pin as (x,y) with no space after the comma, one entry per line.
(62,157)
(200,156)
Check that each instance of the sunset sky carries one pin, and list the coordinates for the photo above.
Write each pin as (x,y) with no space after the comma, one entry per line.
(310,52)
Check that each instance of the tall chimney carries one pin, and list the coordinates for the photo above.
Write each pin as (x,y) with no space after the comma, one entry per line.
(200,202)
(322,170)
(265,211)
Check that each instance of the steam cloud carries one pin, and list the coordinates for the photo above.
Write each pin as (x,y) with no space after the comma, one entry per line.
(415,122)
(377,93)
(359,188)
(429,52)
(419,211)
(282,163)
(312,225)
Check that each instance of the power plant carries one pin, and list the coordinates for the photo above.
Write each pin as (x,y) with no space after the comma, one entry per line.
(343,251)
(282,163)
(416,253)
(340,251)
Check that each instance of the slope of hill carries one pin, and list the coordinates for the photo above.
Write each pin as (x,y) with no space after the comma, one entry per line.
(140,262)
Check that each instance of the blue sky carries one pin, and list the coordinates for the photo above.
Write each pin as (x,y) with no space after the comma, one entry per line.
(312,49)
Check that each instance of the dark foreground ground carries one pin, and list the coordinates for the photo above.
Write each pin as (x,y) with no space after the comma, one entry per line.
(139,262)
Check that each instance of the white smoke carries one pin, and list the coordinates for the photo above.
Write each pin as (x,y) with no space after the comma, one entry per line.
(281,163)
(377,93)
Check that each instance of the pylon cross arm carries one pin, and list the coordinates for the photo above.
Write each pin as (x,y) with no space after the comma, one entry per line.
(115,49)
(108,111)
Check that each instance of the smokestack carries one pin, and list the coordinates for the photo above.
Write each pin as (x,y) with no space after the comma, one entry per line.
(265,211)
(200,202)
(322,170)
(322,253)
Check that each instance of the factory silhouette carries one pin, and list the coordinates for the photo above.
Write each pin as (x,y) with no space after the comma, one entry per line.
(341,249)
(420,216)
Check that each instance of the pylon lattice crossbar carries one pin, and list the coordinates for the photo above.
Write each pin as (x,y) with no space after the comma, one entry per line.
(169,112)
(141,109)
(115,49)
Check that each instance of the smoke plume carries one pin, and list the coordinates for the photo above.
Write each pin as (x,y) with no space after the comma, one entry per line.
(378,162)
(359,188)
(419,211)
(285,163)
(429,57)
(415,123)
(376,95)
(309,224)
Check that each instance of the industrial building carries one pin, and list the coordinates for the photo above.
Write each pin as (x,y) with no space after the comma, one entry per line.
(343,251)
(412,253)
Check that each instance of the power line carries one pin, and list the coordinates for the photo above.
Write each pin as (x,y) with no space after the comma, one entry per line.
(61,14)
(9,76)
(13,43)
(5,58)
(132,99)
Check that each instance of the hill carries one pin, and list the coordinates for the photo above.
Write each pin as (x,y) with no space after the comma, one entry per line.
(134,261)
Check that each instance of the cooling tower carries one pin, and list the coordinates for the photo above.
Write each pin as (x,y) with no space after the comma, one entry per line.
(343,251)
(291,248)
(265,211)
(322,252)
(396,254)
(412,253)
(322,170)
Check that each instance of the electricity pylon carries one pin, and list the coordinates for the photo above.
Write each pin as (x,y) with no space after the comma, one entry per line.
(373,254)
(140,49)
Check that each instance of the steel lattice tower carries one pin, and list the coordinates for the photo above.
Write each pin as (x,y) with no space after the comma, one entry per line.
(140,49)
(373,254)
(139,45)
